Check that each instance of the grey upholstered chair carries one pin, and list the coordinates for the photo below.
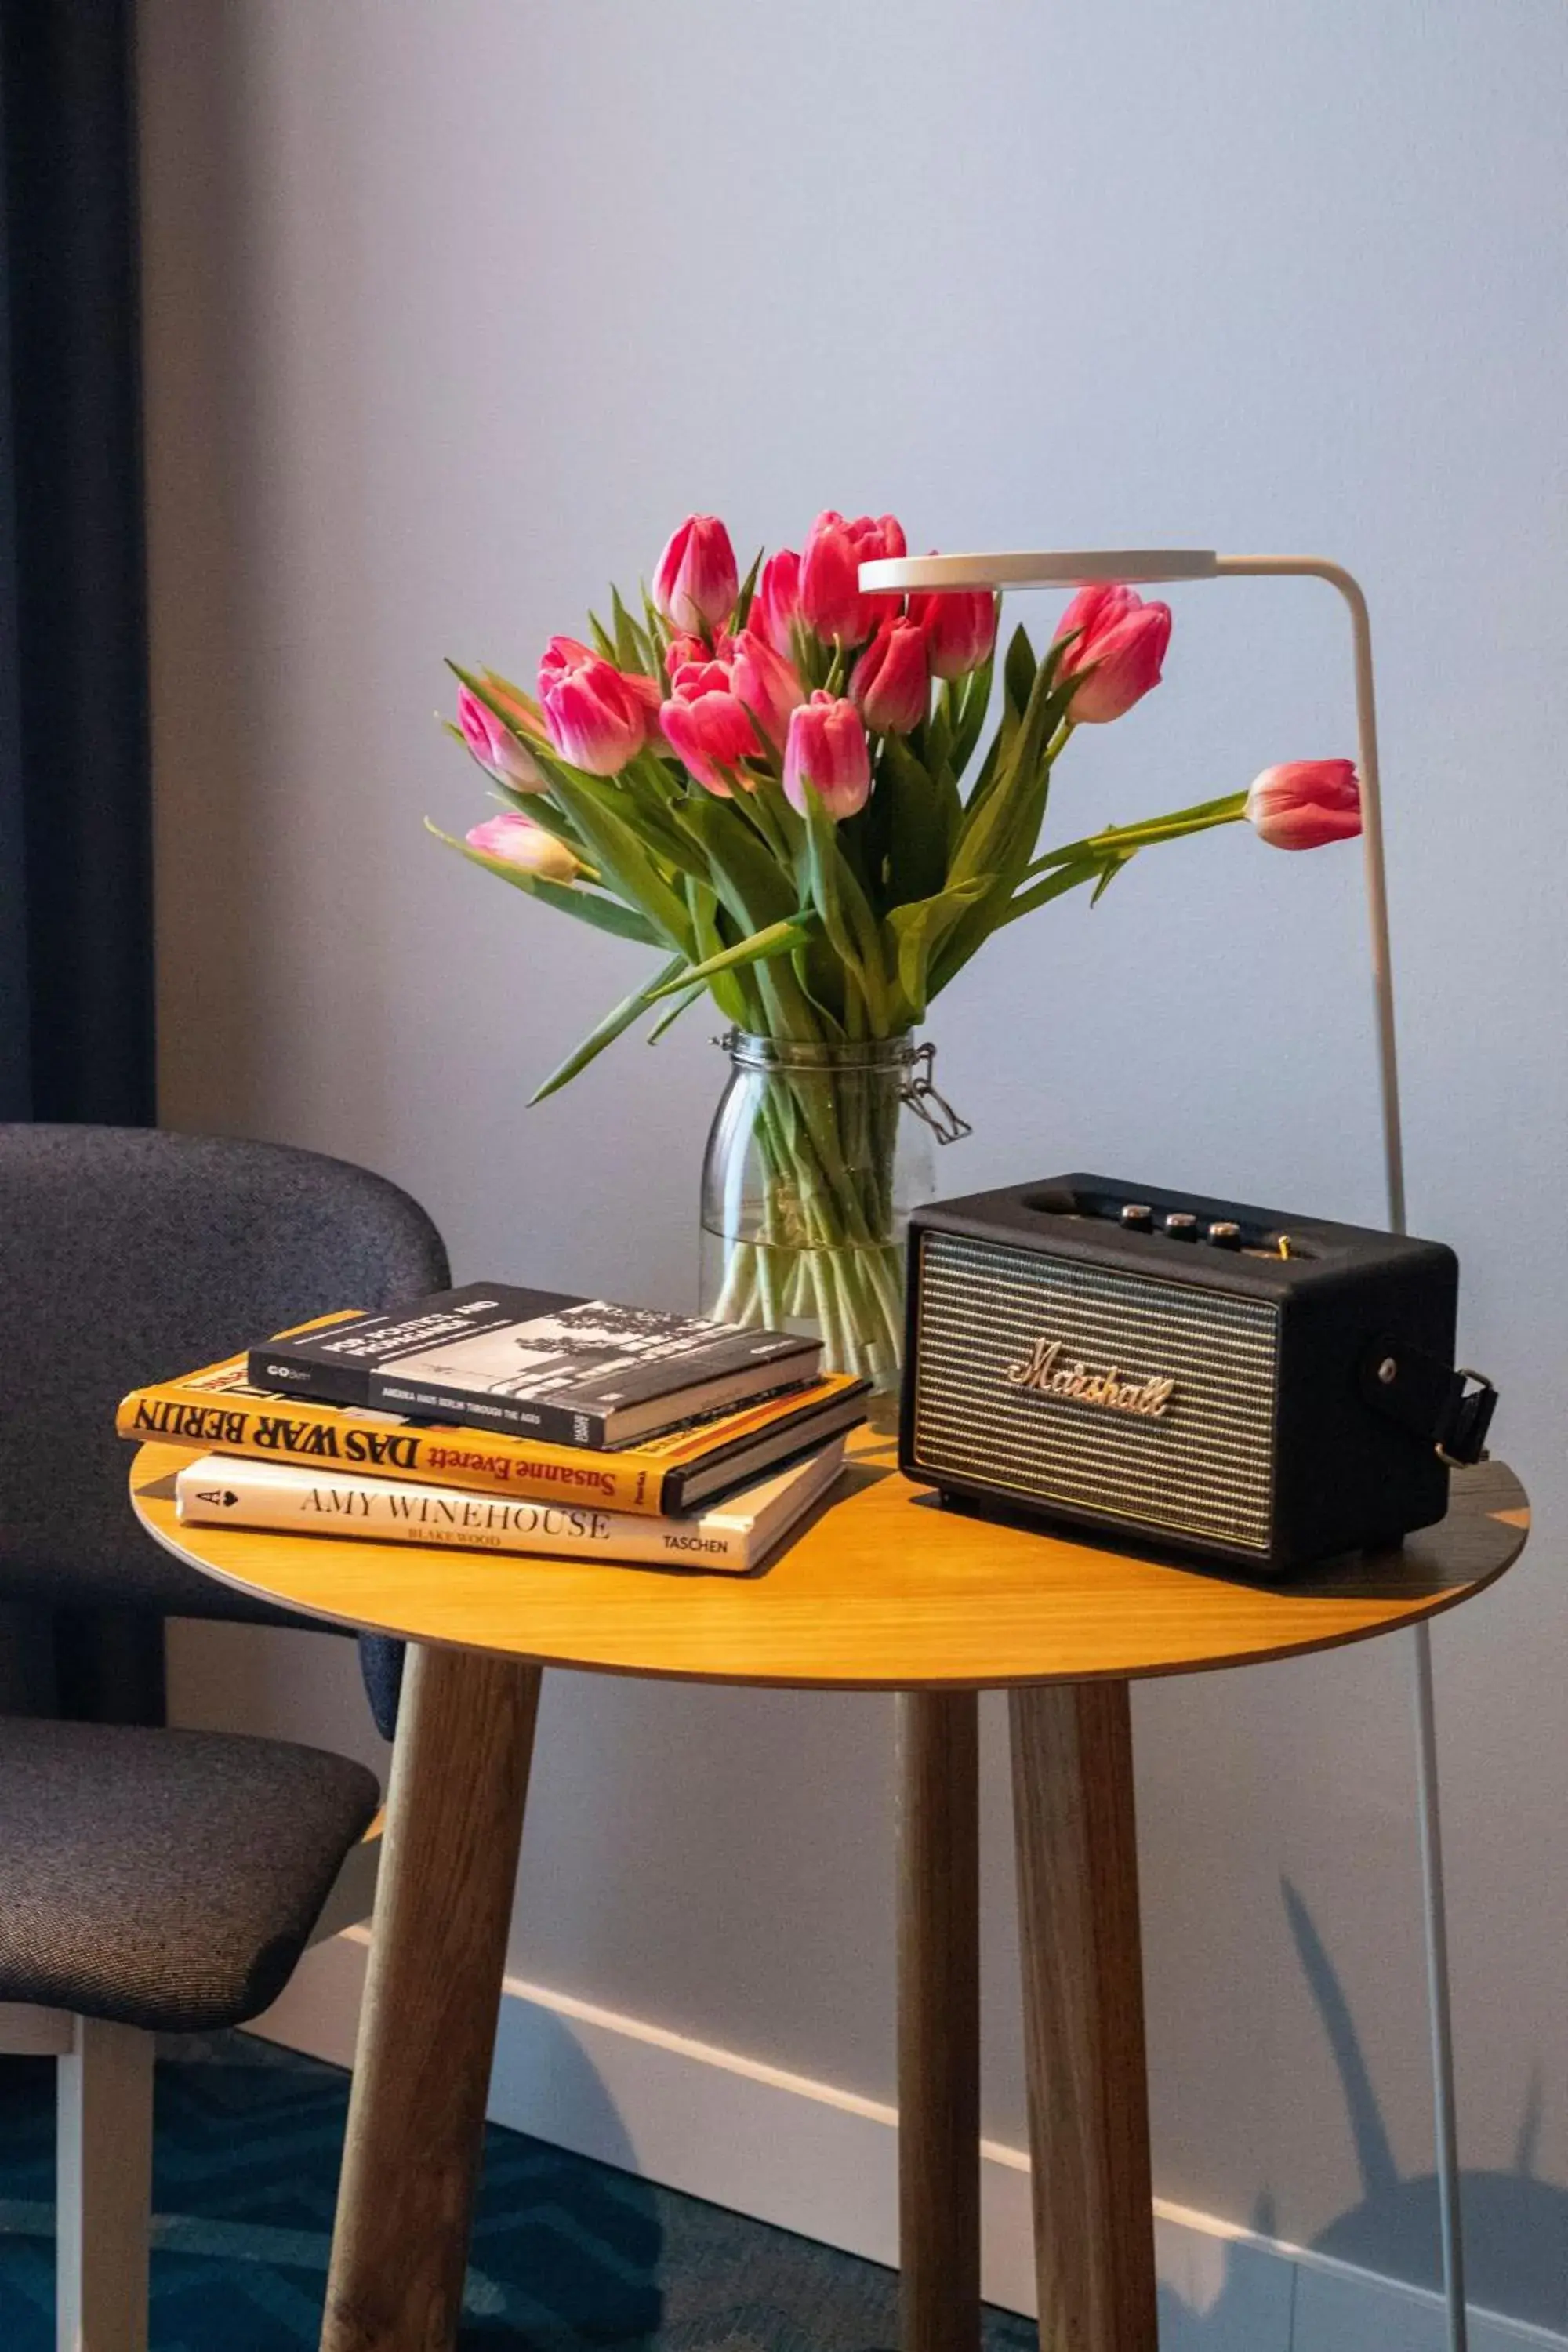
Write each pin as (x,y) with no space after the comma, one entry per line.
(154,1880)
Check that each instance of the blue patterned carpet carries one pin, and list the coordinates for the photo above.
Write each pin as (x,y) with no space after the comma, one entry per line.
(567,2255)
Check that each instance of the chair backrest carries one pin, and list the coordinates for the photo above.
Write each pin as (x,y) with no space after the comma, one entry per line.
(128,1255)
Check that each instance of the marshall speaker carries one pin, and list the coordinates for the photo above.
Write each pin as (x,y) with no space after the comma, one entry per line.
(1196,1374)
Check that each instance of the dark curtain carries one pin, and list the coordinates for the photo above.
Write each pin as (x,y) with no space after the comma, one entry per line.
(76,928)
(76,961)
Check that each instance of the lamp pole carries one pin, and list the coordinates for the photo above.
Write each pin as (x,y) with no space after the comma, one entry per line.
(1073,569)
(1444,2102)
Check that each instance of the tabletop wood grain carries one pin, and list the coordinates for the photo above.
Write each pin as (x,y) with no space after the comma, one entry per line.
(882,1588)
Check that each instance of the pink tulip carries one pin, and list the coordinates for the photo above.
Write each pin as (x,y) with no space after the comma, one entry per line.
(562,656)
(516,840)
(682,650)
(826,749)
(496,748)
(764,682)
(1117,652)
(1306,804)
(775,608)
(598,717)
(708,726)
(890,683)
(696,583)
(830,600)
(960,628)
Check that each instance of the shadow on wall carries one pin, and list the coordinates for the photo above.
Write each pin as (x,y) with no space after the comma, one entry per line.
(1516,2225)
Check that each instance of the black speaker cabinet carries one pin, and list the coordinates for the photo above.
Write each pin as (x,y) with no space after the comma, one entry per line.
(1196,1374)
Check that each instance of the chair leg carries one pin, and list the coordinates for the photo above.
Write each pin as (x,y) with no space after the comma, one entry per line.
(103,2199)
(32,2032)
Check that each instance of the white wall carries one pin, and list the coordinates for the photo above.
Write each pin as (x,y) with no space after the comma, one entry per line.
(453,311)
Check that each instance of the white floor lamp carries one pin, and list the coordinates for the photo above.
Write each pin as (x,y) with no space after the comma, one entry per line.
(1072,569)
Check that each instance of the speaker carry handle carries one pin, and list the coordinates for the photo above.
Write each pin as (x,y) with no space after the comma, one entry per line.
(1433,1399)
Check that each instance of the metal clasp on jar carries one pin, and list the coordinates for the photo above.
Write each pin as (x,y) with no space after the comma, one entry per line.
(919,1092)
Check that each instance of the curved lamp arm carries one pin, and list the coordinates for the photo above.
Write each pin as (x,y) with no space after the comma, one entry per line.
(1072,568)
(1318,567)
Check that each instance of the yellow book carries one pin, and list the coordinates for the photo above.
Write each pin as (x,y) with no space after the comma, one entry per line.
(215,1411)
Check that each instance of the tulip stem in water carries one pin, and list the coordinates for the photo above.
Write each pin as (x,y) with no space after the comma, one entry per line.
(820,1244)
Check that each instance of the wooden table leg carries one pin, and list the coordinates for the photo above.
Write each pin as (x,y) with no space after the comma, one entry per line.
(938,2022)
(460,1777)
(1083,2017)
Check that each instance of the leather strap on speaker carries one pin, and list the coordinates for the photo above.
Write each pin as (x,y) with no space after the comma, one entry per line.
(1447,1404)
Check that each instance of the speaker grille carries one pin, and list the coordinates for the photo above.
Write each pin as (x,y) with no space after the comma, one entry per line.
(1203,1467)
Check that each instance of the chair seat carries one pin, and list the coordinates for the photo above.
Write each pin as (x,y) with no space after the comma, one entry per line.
(165,1879)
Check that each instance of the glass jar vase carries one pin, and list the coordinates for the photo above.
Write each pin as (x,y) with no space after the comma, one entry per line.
(816,1158)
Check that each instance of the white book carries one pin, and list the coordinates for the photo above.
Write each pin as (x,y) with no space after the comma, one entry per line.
(227,1489)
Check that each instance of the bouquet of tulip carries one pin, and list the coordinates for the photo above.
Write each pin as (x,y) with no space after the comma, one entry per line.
(781,784)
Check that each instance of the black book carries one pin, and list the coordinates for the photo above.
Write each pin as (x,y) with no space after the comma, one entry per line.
(576,1371)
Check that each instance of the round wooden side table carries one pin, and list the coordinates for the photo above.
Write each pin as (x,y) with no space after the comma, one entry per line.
(883,1590)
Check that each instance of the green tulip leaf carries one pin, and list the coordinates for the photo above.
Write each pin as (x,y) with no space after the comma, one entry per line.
(748,589)
(753,887)
(673,1013)
(634,648)
(624,859)
(733,992)
(1056,886)
(1125,838)
(1019,672)
(845,917)
(611,1027)
(1015,801)
(779,939)
(656,628)
(967,714)
(915,823)
(916,930)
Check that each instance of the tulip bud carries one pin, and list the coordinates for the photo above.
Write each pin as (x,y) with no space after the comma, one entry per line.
(764,682)
(891,684)
(826,749)
(708,726)
(598,717)
(960,627)
(1306,804)
(496,748)
(696,583)
(516,840)
(775,608)
(1117,651)
(831,604)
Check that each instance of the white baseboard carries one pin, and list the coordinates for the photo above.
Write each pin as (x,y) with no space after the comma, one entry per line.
(810,2158)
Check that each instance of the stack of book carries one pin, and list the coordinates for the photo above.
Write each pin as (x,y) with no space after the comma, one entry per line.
(495,1418)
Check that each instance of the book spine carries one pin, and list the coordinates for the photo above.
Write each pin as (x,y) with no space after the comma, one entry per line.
(317,1437)
(336,1383)
(552,1424)
(221,1492)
